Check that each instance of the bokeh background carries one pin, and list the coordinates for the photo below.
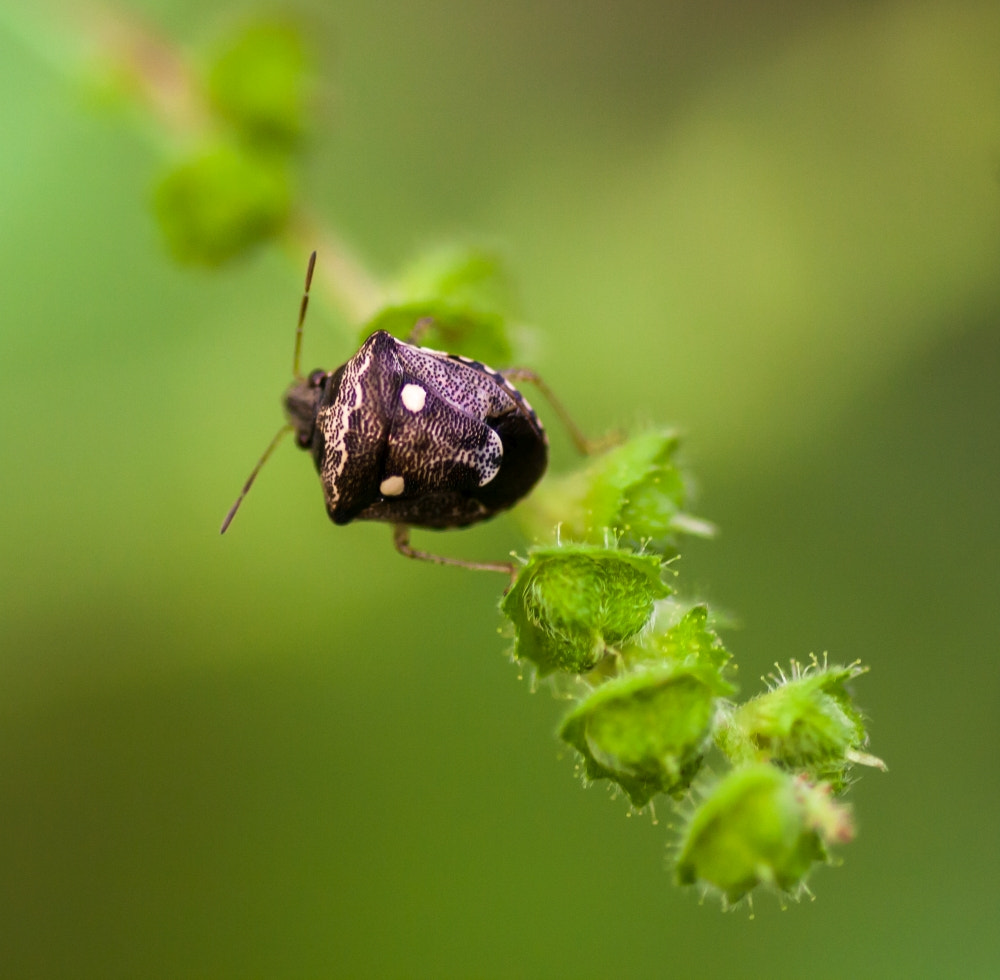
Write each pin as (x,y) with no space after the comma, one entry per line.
(289,752)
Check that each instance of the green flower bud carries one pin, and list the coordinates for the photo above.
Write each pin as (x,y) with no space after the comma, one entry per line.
(636,490)
(759,826)
(807,722)
(571,604)
(647,730)
(688,641)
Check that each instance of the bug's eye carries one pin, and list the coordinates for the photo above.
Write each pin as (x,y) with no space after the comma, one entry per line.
(317,378)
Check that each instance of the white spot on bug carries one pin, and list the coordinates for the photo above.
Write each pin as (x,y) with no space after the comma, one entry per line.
(391,486)
(413,397)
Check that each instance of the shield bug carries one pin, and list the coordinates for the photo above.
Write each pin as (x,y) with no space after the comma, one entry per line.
(414,437)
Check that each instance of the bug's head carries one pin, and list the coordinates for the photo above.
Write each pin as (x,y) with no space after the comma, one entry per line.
(302,400)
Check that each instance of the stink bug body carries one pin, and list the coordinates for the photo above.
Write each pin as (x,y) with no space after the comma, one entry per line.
(415,437)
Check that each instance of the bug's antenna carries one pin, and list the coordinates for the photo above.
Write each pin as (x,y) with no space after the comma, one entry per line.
(303,306)
(253,476)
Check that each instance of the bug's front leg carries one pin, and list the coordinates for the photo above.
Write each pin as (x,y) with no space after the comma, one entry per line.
(401,540)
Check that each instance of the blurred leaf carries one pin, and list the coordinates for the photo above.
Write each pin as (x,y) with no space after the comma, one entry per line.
(257,82)
(220,204)
(467,332)
(465,293)
(462,275)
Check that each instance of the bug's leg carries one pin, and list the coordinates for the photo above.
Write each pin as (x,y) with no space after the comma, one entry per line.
(419,330)
(401,539)
(585,446)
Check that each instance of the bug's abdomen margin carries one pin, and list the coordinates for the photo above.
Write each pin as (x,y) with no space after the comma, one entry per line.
(525,457)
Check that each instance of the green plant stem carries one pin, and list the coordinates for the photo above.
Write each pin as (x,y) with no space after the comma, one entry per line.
(341,277)
(131,57)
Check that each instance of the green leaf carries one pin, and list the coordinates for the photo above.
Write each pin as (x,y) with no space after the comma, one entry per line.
(463,276)
(646,730)
(257,82)
(220,204)
(759,826)
(571,604)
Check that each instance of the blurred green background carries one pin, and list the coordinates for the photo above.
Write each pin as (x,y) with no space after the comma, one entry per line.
(289,752)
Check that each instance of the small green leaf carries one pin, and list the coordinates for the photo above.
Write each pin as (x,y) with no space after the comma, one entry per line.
(220,204)
(759,826)
(257,82)
(636,490)
(646,730)
(806,723)
(571,604)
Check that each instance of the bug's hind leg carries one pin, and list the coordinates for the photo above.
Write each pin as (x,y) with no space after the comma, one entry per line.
(401,540)
(419,331)
(585,446)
